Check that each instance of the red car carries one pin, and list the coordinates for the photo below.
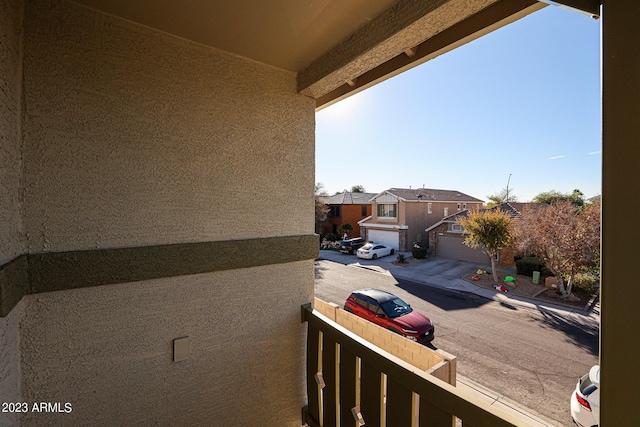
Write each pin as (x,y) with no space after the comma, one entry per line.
(390,312)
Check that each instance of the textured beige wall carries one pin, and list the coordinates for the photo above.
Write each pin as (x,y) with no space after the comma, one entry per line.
(107,350)
(10,386)
(133,137)
(10,242)
(10,114)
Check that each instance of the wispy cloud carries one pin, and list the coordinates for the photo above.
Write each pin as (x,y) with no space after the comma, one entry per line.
(555,157)
(594,152)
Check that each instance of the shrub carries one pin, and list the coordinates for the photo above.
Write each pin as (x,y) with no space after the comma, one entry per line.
(526,266)
(419,253)
(401,258)
(330,237)
(587,281)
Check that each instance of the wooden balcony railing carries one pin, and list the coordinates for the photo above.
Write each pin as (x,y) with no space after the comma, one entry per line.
(350,381)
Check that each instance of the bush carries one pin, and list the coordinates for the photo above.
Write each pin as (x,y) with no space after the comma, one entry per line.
(419,253)
(401,258)
(586,281)
(330,237)
(526,266)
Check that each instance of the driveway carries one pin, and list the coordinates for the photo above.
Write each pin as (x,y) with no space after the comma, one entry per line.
(440,271)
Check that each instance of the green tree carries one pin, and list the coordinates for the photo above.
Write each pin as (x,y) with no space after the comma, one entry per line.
(503,196)
(345,228)
(489,230)
(549,197)
(565,236)
(354,189)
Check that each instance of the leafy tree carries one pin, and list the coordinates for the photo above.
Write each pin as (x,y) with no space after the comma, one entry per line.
(489,230)
(321,208)
(503,196)
(565,236)
(346,228)
(549,197)
(354,189)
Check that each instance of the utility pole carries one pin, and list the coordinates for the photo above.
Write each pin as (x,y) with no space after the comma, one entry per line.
(508,181)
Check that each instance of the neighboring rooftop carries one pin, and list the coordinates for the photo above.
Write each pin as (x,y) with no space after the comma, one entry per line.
(429,194)
(349,198)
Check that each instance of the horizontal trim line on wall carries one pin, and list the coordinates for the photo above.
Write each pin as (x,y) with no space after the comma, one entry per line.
(56,271)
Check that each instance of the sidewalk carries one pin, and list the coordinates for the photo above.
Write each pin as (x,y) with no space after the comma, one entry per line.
(446,274)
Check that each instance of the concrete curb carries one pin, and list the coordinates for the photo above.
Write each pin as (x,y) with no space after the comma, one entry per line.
(500,401)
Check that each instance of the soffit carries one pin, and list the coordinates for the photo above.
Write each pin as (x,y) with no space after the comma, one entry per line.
(288,34)
(336,47)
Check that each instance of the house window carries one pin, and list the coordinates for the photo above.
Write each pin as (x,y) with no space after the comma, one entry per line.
(456,228)
(334,211)
(364,211)
(429,207)
(446,211)
(464,206)
(387,210)
(458,206)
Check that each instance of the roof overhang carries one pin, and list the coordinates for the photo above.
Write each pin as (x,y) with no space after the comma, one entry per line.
(336,47)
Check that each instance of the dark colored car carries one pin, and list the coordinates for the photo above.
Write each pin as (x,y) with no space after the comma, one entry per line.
(390,312)
(351,246)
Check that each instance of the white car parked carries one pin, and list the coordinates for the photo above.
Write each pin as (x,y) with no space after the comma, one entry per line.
(374,251)
(585,400)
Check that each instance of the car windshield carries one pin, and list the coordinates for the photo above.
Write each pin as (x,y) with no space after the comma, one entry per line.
(395,307)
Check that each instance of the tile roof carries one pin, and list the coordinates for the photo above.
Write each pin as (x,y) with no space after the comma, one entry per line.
(349,198)
(513,209)
(430,194)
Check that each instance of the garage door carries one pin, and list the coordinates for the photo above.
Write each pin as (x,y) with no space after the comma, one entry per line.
(387,238)
(454,247)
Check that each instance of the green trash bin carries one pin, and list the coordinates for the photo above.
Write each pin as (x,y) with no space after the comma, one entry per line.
(536,277)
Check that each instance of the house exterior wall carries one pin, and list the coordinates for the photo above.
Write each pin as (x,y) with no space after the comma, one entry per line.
(415,216)
(351,214)
(135,139)
(10,166)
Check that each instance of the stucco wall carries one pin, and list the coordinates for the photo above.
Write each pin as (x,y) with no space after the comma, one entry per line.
(107,350)
(10,114)
(10,166)
(133,137)
(136,138)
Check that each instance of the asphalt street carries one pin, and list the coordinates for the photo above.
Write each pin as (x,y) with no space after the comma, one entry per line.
(530,355)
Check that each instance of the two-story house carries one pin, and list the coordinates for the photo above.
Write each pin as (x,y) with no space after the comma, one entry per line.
(400,215)
(347,208)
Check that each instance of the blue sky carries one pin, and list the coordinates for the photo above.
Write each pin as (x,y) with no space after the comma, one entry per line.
(523,100)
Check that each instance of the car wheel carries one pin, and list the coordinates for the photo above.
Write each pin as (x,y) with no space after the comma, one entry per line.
(392,251)
(348,310)
(375,256)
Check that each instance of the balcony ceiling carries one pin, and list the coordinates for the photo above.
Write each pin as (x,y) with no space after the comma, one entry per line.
(330,44)
(287,34)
